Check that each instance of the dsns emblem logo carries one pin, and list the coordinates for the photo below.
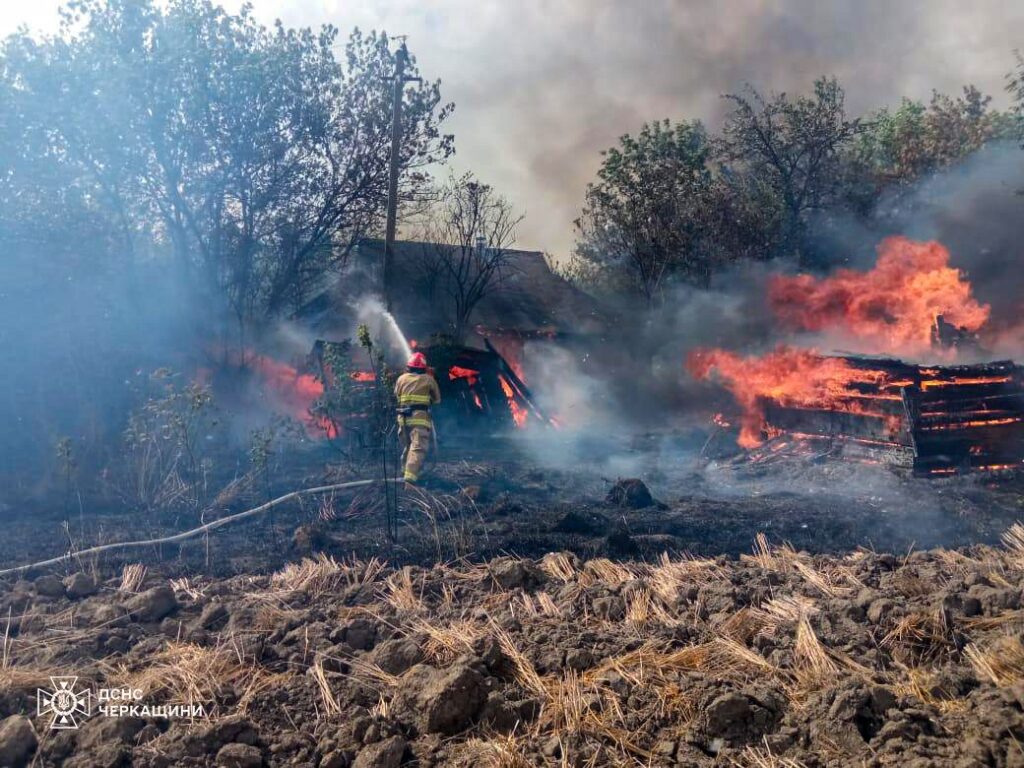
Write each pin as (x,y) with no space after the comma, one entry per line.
(64,703)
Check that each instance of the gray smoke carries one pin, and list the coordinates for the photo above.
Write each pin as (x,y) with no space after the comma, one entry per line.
(541,88)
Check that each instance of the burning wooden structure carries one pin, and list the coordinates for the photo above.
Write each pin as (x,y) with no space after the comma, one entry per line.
(940,420)
(480,391)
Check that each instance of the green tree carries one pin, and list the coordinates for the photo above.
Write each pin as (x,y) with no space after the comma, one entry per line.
(899,146)
(171,173)
(1015,87)
(790,150)
(253,155)
(645,219)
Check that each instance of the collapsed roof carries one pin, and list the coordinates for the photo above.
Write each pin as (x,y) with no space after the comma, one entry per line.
(531,300)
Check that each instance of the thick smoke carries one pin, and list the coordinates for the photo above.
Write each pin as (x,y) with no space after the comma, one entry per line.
(975,209)
(639,385)
(541,88)
(77,345)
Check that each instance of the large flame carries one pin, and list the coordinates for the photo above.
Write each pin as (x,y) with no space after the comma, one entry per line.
(293,392)
(892,307)
(792,377)
(519,413)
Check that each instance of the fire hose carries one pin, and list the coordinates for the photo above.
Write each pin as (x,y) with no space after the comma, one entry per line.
(195,531)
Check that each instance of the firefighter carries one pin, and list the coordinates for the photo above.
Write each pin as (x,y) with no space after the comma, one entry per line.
(416,391)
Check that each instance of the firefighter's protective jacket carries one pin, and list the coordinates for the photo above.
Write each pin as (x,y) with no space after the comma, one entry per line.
(415,393)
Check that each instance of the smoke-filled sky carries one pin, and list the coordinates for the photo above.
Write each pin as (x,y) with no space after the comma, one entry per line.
(541,87)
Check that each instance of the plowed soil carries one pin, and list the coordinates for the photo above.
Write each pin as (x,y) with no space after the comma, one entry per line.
(522,618)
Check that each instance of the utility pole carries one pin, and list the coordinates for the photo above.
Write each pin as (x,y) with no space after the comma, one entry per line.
(400,79)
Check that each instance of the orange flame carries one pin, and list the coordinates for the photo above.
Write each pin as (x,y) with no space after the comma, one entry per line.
(790,377)
(458,372)
(295,392)
(519,413)
(893,305)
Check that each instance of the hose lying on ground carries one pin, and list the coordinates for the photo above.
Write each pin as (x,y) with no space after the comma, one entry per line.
(195,531)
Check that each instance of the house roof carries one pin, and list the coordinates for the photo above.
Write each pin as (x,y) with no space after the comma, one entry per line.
(531,298)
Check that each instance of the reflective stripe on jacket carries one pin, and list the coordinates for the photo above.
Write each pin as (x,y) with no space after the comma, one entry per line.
(417,391)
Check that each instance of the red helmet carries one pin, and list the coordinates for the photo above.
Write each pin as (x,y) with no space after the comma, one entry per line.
(418,360)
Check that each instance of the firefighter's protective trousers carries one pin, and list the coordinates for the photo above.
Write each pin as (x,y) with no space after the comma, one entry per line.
(415,393)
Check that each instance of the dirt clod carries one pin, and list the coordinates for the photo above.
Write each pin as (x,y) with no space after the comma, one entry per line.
(444,701)
(239,756)
(513,573)
(17,741)
(153,604)
(48,586)
(397,655)
(79,585)
(631,493)
(109,730)
(383,754)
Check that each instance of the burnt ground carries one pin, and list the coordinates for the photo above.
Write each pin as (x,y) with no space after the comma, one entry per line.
(878,621)
(483,503)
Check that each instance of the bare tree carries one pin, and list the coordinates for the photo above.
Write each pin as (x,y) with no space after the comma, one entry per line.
(467,252)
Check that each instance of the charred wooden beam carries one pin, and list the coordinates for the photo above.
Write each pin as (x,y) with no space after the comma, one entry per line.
(951,419)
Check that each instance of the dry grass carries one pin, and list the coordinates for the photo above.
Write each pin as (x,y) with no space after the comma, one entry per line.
(382,709)
(323,574)
(921,683)
(1001,663)
(371,674)
(603,571)
(547,606)
(448,598)
(505,751)
(921,637)
(742,625)
(536,606)
(785,559)
(132,577)
(446,643)
(782,611)
(525,672)
(723,659)
(764,555)
(763,757)
(669,576)
(956,562)
(183,586)
(815,578)
(1004,620)
(5,656)
(330,701)
(558,566)
(183,673)
(571,704)
(400,593)
(270,616)
(25,679)
(470,573)
(638,607)
(1013,540)
(260,681)
(732,659)
(812,665)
